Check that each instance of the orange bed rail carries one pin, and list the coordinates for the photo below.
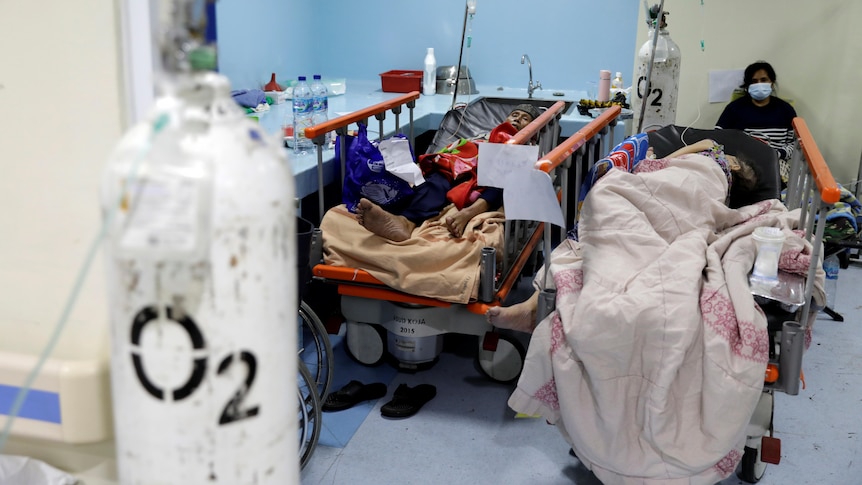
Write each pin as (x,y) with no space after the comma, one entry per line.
(553,159)
(826,185)
(363,114)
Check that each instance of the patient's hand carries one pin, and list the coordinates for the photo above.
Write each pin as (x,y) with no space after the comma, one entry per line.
(697,147)
(456,222)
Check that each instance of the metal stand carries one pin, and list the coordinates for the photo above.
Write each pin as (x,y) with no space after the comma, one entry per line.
(460,54)
(657,28)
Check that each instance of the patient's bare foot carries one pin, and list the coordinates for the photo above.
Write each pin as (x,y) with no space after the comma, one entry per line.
(372,217)
(521,316)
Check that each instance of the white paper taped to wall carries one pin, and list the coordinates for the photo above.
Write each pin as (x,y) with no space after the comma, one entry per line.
(528,194)
(722,84)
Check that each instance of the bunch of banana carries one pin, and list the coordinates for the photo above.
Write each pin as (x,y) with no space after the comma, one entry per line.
(592,103)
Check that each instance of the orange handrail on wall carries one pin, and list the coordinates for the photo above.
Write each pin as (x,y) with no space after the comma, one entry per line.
(826,185)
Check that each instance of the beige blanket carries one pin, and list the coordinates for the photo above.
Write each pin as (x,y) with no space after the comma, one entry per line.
(654,358)
(431,263)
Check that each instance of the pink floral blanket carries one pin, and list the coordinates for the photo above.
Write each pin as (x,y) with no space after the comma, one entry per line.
(654,358)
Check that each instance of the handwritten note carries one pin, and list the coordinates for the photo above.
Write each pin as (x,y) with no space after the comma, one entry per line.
(528,194)
(497,160)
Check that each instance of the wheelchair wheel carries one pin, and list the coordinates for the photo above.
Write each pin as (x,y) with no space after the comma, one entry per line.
(505,363)
(366,343)
(310,414)
(318,358)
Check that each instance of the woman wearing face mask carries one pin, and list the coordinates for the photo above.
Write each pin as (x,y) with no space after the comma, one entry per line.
(763,115)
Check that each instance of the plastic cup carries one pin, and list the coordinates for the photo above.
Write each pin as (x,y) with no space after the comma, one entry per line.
(769,241)
(287,129)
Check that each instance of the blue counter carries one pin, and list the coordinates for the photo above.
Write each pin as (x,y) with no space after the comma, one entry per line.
(427,115)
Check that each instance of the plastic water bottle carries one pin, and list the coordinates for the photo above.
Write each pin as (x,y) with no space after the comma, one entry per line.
(831,267)
(617,83)
(320,104)
(302,112)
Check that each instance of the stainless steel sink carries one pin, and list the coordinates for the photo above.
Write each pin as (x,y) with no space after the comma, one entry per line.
(540,103)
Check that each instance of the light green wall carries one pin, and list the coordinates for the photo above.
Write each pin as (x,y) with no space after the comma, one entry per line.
(814,46)
(60,115)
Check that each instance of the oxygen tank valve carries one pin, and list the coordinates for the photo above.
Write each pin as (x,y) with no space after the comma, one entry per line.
(653,15)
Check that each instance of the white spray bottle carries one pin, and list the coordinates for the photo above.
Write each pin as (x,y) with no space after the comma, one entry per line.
(429,76)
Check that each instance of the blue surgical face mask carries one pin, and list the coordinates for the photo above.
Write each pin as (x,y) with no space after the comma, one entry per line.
(760,91)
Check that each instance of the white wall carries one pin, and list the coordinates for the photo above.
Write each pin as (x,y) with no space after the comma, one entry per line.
(814,47)
(61,111)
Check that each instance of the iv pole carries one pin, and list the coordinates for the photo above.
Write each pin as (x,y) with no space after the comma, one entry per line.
(461,51)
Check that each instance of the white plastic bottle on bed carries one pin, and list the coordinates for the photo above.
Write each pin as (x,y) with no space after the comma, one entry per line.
(429,76)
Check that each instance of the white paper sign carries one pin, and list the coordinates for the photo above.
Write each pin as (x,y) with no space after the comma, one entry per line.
(529,195)
(497,160)
(722,84)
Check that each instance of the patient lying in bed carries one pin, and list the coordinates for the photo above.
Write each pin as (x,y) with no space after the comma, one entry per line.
(652,362)
(450,177)
(419,255)
(628,155)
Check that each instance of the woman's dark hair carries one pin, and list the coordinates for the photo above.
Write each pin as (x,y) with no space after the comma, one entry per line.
(754,67)
(744,177)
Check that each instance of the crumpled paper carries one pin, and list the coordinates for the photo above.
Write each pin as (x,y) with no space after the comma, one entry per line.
(23,470)
(398,160)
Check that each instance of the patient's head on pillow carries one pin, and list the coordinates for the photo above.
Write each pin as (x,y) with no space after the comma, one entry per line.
(522,114)
(744,177)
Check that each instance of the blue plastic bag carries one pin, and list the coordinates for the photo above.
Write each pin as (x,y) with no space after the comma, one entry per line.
(366,175)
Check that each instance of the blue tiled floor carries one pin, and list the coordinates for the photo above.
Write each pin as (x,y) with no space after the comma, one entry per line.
(468,435)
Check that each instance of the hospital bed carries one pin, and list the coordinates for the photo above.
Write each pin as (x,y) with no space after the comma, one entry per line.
(386,321)
(813,189)
(699,404)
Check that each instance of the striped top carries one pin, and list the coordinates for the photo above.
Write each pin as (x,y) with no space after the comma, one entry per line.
(771,123)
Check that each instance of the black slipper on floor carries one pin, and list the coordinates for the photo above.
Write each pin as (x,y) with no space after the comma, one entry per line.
(407,400)
(353,393)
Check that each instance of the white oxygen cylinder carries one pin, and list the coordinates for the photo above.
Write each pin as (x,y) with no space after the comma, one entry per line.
(664,81)
(200,253)
(429,76)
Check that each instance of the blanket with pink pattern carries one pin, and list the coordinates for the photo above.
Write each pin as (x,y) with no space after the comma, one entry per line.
(654,358)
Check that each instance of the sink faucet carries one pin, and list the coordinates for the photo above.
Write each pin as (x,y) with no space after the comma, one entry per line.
(530,87)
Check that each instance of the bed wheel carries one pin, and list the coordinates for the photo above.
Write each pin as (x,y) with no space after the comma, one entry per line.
(503,363)
(366,343)
(751,469)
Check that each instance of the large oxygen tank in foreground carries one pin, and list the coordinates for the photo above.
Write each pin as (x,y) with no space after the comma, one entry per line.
(663,78)
(201,262)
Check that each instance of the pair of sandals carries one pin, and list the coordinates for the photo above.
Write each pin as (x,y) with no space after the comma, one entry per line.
(406,401)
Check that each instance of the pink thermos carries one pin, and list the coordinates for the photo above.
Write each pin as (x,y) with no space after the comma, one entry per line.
(604,85)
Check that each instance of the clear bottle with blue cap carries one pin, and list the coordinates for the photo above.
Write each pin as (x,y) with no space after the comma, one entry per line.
(320,104)
(303,102)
